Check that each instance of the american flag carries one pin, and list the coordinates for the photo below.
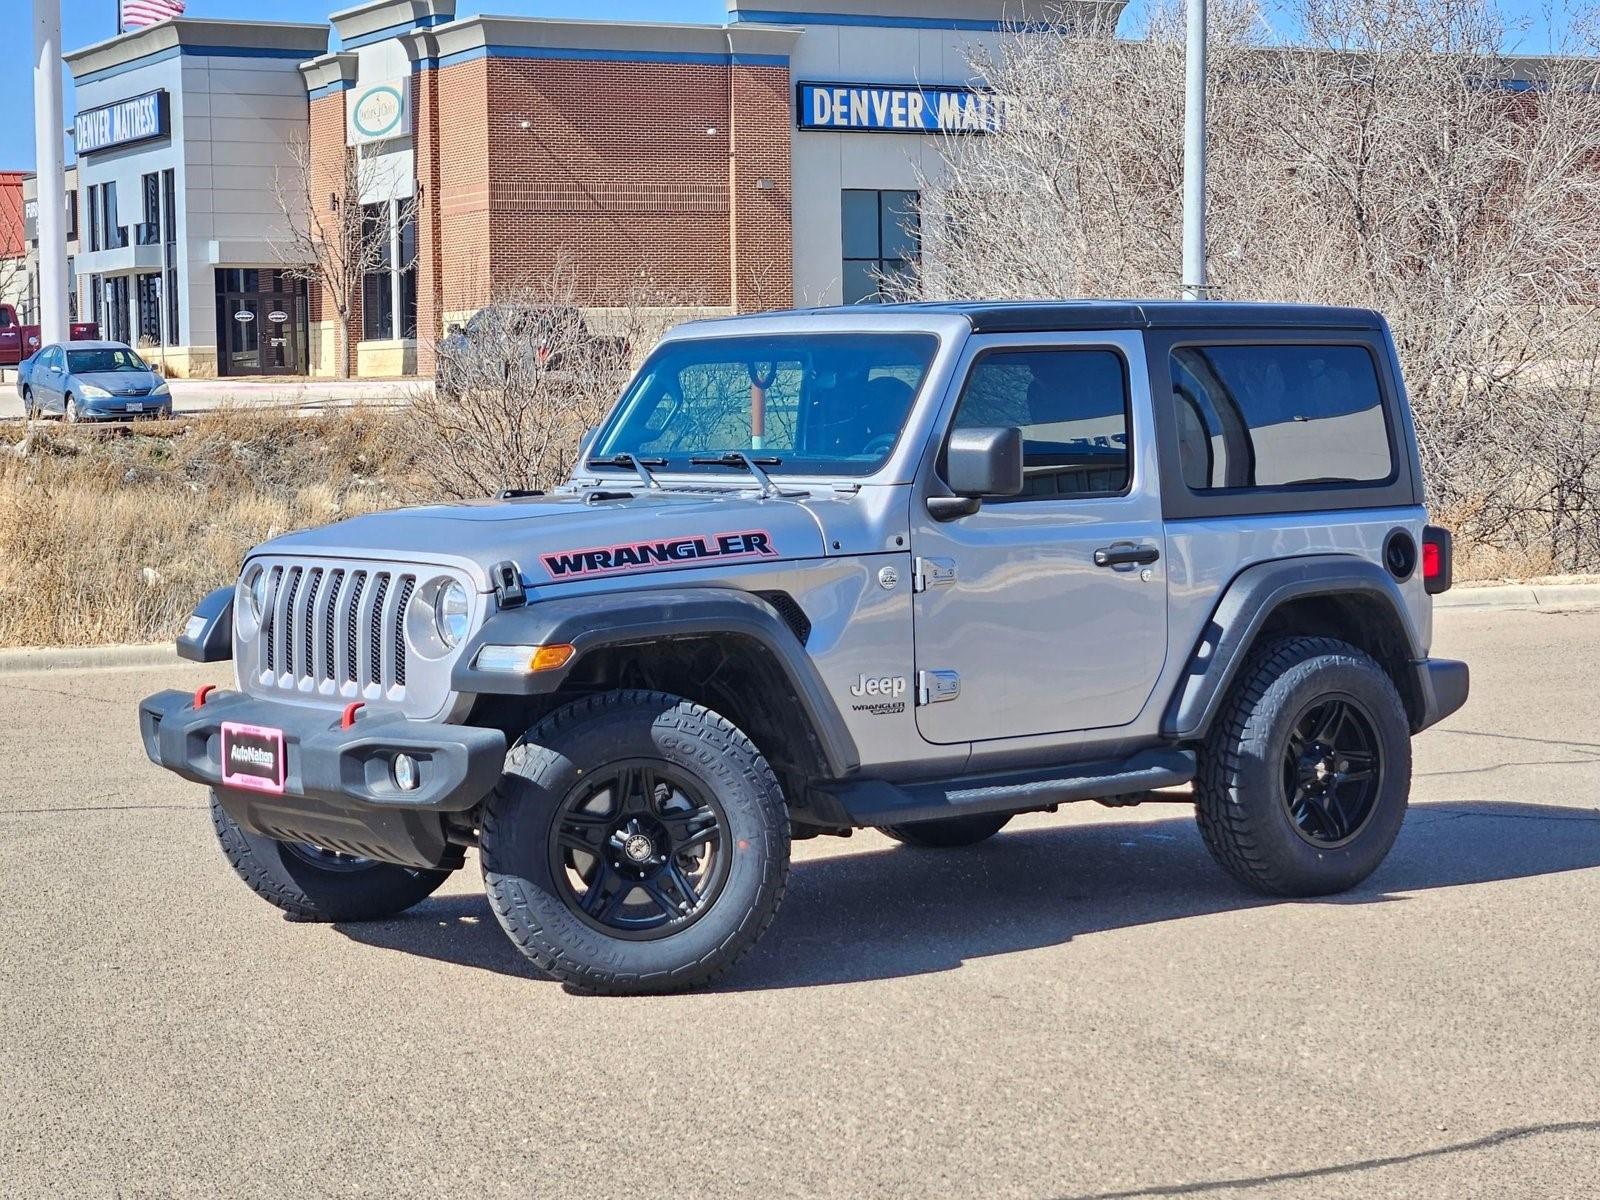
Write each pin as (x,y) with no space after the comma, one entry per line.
(147,12)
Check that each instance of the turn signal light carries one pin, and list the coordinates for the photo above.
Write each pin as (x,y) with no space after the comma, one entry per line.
(524,660)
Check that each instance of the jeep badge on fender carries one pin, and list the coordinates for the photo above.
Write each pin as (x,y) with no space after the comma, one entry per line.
(1130,566)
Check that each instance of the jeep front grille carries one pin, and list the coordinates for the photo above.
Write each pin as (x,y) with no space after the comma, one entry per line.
(334,630)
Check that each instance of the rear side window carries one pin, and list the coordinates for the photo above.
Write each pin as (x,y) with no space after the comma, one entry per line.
(1270,416)
(1072,408)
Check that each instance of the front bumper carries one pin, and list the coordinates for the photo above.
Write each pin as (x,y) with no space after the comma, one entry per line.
(1443,684)
(101,408)
(339,792)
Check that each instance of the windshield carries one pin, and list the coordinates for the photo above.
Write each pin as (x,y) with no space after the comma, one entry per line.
(94,362)
(799,404)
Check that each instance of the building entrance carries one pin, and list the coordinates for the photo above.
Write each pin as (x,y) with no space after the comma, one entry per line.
(262,322)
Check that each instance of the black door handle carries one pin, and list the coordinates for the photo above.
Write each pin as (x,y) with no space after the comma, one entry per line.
(1125,556)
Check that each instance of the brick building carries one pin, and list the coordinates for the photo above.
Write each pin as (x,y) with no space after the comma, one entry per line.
(769,161)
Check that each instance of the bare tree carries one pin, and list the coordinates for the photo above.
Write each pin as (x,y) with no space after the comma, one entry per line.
(1391,155)
(518,385)
(326,238)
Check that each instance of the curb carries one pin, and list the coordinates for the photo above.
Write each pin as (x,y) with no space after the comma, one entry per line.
(1521,595)
(87,658)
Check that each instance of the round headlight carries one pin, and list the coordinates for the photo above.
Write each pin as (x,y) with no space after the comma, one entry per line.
(253,597)
(452,614)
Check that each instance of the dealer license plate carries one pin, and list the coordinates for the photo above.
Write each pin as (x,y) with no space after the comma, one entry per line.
(253,757)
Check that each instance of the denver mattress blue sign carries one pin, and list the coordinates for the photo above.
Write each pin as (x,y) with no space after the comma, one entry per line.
(127,121)
(890,108)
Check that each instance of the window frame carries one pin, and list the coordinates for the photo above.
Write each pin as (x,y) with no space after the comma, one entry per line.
(1117,352)
(1403,488)
(878,263)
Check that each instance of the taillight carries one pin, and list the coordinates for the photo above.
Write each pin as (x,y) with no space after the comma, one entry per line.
(1437,566)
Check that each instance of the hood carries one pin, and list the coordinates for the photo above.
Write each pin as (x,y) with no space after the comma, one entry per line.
(563,538)
(119,383)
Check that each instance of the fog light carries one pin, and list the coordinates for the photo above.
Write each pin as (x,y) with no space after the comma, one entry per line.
(405,772)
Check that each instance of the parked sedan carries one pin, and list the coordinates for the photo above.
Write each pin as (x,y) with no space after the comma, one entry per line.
(92,381)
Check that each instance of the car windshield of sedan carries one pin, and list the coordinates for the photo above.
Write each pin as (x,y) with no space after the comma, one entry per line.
(99,362)
(798,404)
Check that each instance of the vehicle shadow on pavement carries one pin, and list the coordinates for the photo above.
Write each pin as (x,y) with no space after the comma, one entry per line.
(896,912)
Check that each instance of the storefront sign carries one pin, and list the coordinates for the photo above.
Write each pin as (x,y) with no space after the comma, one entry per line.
(277,316)
(878,108)
(121,124)
(244,316)
(379,111)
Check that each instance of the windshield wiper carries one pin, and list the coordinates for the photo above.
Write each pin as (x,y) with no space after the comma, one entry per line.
(738,458)
(641,466)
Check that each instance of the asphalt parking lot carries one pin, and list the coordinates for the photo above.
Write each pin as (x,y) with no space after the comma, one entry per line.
(1083,1007)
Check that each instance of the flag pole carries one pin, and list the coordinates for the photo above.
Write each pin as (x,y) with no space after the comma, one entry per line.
(118,3)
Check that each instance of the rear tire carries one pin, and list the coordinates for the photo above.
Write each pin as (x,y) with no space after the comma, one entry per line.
(950,833)
(637,843)
(1305,775)
(310,884)
(27,404)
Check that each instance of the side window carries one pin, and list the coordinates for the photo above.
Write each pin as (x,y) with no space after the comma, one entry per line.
(1266,416)
(1072,407)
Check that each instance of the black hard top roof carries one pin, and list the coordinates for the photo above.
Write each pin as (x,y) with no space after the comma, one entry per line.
(1046,316)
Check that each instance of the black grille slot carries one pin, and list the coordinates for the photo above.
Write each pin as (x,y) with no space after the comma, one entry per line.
(286,648)
(308,634)
(274,581)
(352,627)
(380,590)
(400,631)
(330,623)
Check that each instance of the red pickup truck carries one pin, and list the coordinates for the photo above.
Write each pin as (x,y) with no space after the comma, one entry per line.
(19,341)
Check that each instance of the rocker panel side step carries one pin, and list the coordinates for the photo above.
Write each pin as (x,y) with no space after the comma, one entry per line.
(875,802)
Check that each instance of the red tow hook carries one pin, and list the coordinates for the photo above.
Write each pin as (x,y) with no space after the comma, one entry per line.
(202,692)
(350,711)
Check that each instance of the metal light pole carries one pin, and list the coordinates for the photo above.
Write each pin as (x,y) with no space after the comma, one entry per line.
(47,121)
(1194,156)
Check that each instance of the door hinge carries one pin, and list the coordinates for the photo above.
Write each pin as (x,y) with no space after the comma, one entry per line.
(936,687)
(932,572)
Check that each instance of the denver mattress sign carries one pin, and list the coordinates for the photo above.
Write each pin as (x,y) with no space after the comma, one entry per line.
(137,119)
(899,109)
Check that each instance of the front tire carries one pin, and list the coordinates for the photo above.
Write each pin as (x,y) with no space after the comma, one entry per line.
(311,884)
(950,833)
(70,410)
(1305,775)
(638,843)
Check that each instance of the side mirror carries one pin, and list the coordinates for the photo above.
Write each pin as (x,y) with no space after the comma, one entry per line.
(586,441)
(979,463)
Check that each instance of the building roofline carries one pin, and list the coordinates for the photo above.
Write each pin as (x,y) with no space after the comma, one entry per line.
(488,36)
(973,15)
(195,35)
(378,20)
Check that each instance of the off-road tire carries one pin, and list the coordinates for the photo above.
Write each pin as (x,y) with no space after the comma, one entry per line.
(551,760)
(1240,788)
(950,833)
(306,892)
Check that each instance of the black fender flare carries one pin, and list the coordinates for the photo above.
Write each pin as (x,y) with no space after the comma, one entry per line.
(1252,597)
(212,639)
(592,621)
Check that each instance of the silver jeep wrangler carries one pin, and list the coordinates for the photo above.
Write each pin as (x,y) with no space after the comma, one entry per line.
(916,567)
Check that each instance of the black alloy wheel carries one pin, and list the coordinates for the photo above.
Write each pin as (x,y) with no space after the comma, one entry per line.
(640,850)
(1332,771)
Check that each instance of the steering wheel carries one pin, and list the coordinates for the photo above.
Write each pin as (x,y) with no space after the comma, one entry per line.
(881,444)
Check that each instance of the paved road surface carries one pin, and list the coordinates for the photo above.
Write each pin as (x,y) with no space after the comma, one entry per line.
(1083,1007)
(199,395)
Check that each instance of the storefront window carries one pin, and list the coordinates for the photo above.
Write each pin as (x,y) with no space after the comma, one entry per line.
(115,236)
(94,216)
(389,287)
(148,289)
(148,231)
(881,242)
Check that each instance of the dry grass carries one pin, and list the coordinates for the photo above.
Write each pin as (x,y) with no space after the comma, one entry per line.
(107,538)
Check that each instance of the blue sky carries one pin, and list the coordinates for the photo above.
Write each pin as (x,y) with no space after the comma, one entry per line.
(86,21)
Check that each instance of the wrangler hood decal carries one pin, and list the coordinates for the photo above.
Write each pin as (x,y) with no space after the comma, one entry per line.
(560,539)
